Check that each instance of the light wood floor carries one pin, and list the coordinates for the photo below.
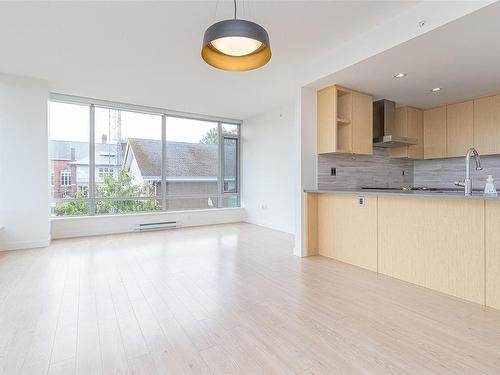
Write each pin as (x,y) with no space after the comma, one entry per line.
(226,299)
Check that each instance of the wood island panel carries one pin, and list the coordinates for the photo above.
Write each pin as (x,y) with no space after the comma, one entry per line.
(493,254)
(346,231)
(435,243)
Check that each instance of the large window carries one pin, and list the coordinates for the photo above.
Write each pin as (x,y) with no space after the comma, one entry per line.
(111,158)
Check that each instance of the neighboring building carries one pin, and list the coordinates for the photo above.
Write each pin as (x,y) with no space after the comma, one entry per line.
(191,170)
(70,165)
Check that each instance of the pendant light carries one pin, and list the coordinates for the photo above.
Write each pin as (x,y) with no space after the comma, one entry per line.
(236,45)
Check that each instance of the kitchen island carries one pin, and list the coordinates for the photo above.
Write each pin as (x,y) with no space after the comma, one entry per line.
(444,241)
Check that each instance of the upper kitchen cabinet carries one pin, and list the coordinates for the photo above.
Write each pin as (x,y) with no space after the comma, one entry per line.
(459,128)
(435,133)
(409,123)
(487,125)
(344,121)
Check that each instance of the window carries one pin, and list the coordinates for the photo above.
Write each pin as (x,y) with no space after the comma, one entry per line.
(130,143)
(138,159)
(230,129)
(192,158)
(69,126)
(105,172)
(65,177)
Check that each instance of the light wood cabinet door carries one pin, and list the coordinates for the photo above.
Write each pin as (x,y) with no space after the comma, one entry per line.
(435,133)
(493,254)
(400,129)
(362,123)
(347,231)
(487,125)
(409,122)
(326,114)
(424,241)
(459,128)
(415,119)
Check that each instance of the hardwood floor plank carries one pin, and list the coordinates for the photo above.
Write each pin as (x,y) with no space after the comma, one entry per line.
(226,299)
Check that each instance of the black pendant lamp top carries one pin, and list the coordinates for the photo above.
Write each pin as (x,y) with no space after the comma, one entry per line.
(236,45)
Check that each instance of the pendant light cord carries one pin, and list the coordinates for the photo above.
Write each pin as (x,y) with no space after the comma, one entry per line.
(234,9)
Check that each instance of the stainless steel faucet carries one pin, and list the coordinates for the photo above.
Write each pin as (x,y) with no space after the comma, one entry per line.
(467,183)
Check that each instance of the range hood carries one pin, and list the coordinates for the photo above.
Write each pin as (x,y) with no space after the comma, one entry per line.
(383,125)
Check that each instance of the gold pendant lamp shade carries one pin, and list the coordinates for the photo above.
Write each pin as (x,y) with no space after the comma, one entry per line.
(236,45)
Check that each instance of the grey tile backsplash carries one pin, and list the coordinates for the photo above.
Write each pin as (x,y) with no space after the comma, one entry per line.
(380,170)
(444,172)
(355,171)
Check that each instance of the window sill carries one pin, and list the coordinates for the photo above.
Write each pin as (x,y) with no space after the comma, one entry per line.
(144,214)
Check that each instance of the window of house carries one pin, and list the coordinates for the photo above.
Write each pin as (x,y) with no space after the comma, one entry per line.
(109,160)
(66,177)
(103,172)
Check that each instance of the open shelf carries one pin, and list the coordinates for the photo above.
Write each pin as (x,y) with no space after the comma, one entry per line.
(344,117)
(344,138)
(344,121)
(344,105)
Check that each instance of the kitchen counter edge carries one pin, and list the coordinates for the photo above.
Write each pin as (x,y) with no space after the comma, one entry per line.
(427,194)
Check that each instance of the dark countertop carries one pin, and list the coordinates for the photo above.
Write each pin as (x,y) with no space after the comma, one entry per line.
(476,195)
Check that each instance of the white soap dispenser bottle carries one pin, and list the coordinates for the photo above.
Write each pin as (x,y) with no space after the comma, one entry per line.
(489,188)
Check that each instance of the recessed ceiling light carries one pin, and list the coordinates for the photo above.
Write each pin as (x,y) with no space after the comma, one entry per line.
(400,75)
(436,89)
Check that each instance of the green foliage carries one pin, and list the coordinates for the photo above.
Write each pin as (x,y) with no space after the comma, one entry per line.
(73,208)
(122,187)
(211,138)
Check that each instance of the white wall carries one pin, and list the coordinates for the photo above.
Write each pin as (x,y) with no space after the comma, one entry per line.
(24,205)
(107,224)
(307,161)
(267,168)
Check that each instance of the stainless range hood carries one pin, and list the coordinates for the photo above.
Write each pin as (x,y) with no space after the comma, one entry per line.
(383,126)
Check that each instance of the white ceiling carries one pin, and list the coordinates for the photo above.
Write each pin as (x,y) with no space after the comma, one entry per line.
(462,57)
(149,53)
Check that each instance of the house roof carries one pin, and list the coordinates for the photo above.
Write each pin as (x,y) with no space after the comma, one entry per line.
(106,153)
(183,158)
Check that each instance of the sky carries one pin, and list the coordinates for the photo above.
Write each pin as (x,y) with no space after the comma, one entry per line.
(70,122)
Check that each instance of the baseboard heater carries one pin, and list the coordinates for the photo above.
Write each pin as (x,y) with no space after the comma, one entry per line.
(143,227)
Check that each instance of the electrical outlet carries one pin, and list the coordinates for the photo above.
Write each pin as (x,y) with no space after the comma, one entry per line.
(333,171)
(361,201)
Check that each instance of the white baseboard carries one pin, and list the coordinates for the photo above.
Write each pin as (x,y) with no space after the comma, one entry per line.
(21,245)
(268,225)
(112,224)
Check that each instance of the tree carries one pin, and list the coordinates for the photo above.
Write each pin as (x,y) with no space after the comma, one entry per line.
(73,208)
(211,138)
(122,187)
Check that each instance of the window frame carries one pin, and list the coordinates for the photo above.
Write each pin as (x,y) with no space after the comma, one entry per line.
(164,113)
